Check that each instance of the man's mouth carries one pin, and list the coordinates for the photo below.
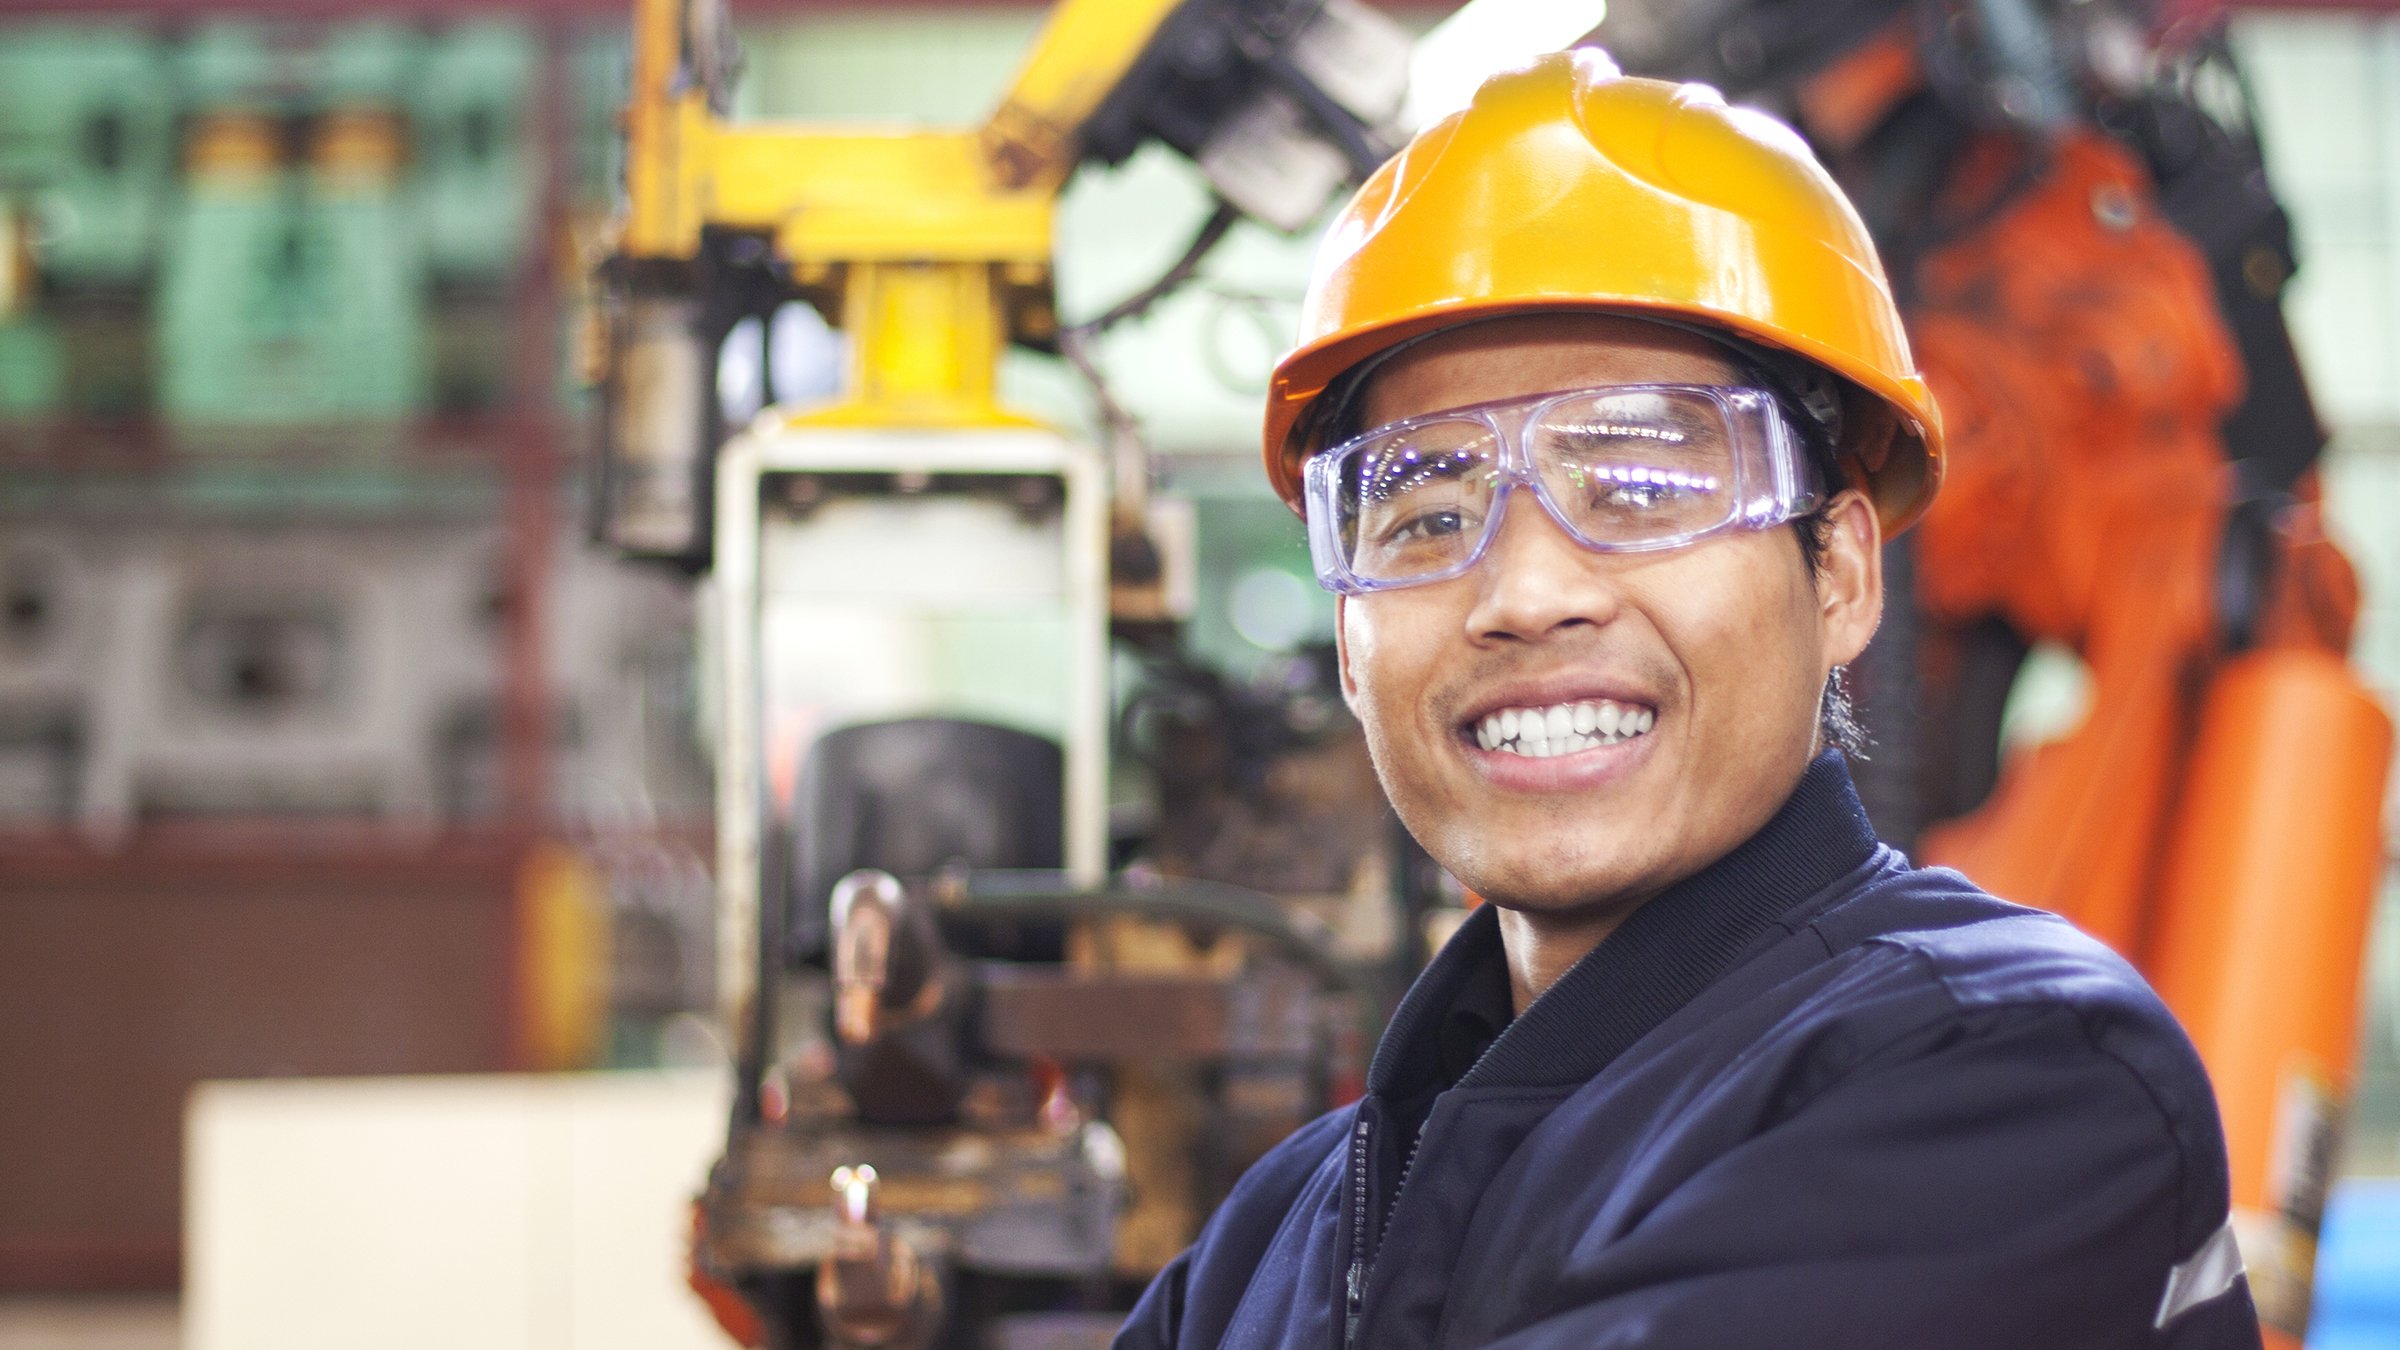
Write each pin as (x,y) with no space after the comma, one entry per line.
(1563,728)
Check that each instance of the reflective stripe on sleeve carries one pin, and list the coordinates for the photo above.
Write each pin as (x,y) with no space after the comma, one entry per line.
(2209,1272)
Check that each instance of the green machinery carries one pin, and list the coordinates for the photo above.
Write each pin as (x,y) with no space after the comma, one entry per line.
(86,147)
(87,121)
(293,284)
(477,175)
(266,224)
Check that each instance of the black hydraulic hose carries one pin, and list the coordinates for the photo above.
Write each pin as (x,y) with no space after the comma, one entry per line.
(1221,220)
(1359,147)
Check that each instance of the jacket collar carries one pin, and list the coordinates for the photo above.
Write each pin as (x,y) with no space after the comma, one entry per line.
(1659,959)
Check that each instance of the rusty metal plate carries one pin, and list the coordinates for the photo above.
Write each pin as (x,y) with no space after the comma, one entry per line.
(1105,1017)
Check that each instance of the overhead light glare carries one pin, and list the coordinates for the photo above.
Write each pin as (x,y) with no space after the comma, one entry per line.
(1483,38)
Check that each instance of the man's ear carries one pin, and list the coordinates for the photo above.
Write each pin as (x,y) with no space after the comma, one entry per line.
(1341,650)
(1850,578)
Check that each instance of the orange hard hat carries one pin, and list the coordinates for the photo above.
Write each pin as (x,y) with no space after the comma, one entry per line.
(1568,186)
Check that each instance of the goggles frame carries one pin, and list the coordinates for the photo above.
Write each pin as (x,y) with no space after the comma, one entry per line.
(1773,478)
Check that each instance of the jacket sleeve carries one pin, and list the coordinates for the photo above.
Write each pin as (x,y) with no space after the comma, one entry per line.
(2007,1178)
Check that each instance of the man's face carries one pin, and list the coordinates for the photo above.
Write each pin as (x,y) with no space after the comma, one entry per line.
(1720,649)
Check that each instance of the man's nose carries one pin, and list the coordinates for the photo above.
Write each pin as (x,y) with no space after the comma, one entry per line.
(1535,579)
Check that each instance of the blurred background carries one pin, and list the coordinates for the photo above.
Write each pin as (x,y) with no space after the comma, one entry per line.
(332,746)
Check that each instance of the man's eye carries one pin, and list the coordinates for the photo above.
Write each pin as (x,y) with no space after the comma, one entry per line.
(1432,524)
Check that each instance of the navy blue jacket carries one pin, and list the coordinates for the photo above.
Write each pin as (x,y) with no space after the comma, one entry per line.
(1811,1096)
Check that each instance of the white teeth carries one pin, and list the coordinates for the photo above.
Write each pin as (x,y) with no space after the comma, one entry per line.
(1562,728)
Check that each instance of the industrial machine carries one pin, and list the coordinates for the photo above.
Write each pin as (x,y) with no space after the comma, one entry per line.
(987,1080)
(2092,262)
(247,664)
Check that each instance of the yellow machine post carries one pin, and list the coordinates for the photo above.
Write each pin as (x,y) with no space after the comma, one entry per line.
(925,347)
(904,238)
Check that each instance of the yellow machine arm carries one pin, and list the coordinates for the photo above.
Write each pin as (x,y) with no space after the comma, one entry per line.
(1085,51)
(931,248)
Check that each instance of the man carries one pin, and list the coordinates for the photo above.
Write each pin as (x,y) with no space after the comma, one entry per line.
(1600,414)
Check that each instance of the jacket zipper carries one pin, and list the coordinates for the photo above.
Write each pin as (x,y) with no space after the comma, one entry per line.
(1357,1283)
(1407,1161)
(1365,1246)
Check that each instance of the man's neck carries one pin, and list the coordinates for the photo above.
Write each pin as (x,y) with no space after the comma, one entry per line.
(1588,983)
(1544,945)
(1541,947)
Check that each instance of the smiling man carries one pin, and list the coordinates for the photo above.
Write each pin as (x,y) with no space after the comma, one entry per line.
(1600,415)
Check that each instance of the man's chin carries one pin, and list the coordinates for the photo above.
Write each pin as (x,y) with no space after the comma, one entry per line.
(1550,856)
(1565,891)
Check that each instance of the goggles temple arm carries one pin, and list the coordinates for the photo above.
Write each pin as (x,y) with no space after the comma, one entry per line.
(1796,486)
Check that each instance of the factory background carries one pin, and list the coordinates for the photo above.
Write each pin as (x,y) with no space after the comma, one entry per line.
(330,746)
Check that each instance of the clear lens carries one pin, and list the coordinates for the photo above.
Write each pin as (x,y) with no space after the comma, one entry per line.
(1625,468)
(1636,467)
(1414,501)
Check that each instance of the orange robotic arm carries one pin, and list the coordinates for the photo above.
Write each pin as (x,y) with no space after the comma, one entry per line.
(2215,815)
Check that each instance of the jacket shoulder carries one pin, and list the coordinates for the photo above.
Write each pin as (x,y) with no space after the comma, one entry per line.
(1960,959)
(1284,1168)
(1982,951)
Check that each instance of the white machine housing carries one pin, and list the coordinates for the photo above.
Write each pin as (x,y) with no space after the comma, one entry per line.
(910,599)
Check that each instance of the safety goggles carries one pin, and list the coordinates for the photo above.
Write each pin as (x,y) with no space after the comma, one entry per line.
(1628,468)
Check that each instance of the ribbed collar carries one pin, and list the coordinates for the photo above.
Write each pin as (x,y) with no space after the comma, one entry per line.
(1656,961)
